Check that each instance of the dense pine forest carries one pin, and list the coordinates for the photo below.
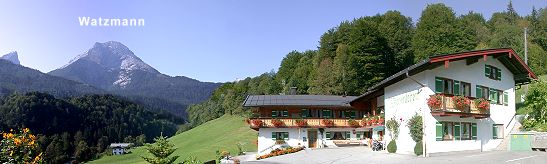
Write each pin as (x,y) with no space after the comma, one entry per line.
(80,128)
(359,53)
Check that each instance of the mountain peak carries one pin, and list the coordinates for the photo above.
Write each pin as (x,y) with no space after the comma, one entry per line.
(115,56)
(12,57)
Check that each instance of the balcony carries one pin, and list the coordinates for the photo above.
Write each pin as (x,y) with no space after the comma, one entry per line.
(257,123)
(445,105)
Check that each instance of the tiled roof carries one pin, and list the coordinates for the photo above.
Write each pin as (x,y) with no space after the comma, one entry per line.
(297,100)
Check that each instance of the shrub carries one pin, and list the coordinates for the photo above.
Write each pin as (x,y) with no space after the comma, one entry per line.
(19,147)
(418,149)
(392,146)
(415,127)
(393,126)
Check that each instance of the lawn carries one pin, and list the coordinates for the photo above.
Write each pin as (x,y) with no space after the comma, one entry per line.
(201,142)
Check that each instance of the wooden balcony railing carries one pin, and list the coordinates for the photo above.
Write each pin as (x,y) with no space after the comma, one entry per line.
(306,122)
(448,108)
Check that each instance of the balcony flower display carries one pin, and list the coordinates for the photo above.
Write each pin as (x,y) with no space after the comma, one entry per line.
(380,120)
(277,123)
(371,121)
(364,121)
(256,122)
(327,122)
(301,122)
(353,123)
(435,102)
(461,102)
(482,104)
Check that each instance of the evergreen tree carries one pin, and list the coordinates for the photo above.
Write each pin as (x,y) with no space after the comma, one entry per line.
(160,151)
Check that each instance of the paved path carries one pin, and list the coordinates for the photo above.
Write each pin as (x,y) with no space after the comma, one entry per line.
(365,155)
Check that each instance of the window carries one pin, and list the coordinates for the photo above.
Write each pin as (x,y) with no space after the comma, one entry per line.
(280,135)
(466,89)
(327,113)
(280,113)
(497,131)
(449,86)
(306,113)
(482,92)
(448,131)
(465,131)
(495,96)
(492,72)
(349,114)
(337,135)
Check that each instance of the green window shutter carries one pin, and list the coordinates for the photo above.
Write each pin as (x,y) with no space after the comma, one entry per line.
(491,95)
(494,132)
(498,74)
(285,135)
(456,87)
(438,85)
(457,131)
(505,98)
(327,134)
(274,113)
(348,135)
(285,113)
(474,131)
(274,135)
(478,92)
(358,135)
(352,114)
(304,113)
(487,70)
(439,131)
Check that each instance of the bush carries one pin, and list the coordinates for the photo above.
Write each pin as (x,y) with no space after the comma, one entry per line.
(418,149)
(415,127)
(392,146)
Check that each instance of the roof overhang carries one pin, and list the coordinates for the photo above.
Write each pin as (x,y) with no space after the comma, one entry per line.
(521,72)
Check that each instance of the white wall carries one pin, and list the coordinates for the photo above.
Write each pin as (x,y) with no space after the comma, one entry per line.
(398,107)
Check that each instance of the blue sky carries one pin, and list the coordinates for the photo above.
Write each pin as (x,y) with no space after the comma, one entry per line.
(207,40)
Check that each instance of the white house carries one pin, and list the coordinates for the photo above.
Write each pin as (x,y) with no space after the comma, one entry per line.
(119,148)
(489,74)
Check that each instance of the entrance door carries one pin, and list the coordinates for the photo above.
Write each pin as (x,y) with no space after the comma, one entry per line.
(312,138)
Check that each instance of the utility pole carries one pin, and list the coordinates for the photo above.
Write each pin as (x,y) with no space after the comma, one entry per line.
(525,46)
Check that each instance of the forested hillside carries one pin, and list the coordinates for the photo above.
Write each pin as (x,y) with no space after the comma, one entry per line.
(82,127)
(359,53)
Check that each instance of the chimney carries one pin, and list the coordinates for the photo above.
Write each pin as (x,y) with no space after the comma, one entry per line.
(292,91)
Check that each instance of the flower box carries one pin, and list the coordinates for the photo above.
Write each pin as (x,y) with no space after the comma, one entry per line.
(353,123)
(301,122)
(327,122)
(256,122)
(482,104)
(461,103)
(435,102)
(278,123)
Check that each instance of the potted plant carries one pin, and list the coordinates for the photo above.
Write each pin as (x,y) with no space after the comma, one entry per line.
(353,123)
(461,102)
(482,104)
(435,102)
(256,122)
(327,122)
(277,122)
(301,122)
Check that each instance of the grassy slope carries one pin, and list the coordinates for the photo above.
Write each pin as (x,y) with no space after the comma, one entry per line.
(202,142)
(520,91)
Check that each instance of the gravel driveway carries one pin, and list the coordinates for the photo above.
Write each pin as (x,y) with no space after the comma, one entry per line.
(365,155)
